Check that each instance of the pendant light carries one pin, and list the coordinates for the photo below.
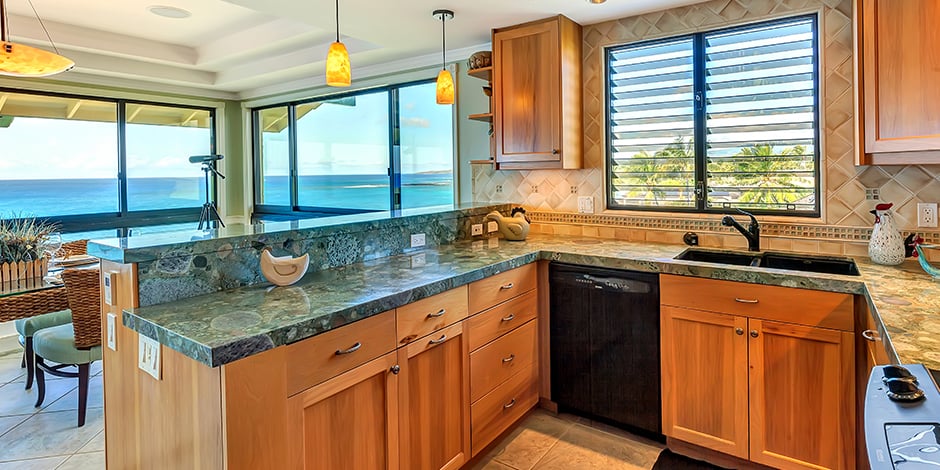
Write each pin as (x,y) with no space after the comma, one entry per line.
(338,72)
(445,82)
(18,60)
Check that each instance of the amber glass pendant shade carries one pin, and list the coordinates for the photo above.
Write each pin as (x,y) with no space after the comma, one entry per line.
(337,66)
(445,87)
(17,60)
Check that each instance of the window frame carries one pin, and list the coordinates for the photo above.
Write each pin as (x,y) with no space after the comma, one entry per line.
(699,115)
(394,167)
(123,219)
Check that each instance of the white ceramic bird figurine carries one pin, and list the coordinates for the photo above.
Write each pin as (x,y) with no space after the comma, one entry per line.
(514,228)
(283,270)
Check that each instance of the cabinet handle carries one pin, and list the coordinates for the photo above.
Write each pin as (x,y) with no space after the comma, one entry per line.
(439,340)
(396,369)
(510,404)
(509,359)
(439,313)
(555,152)
(870,335)
(739,331)
(746,301)
(509,317)
(506,286)
(354,348)
(754,334)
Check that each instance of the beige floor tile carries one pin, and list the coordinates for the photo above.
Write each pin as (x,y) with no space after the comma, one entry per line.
(586,448)
(17,401)
(47,463)
(70,400)
(9,422)
(47,434)
(530,441)
(90,461)
(491,465)
(96,444)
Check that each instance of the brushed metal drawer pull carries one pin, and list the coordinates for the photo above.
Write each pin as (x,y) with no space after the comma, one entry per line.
(439,313)
(509,359)
(870,335)
(354,348)
(439,340)
(506,286)
(746,301)
(510,404)
(509,317)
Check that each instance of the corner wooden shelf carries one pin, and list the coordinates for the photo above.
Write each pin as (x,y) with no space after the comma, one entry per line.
(483,73)
(483,117)
(482,162)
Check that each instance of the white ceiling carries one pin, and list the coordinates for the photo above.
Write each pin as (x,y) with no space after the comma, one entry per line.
(251,48)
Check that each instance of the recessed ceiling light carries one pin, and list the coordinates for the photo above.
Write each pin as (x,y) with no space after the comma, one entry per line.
(169,12)
(596,2)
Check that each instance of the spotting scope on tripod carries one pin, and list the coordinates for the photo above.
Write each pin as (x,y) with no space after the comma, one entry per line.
(209,214)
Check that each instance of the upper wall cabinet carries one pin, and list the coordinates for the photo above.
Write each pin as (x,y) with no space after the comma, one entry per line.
(537,95)
(898,70)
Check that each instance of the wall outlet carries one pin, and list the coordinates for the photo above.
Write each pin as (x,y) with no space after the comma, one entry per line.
(491,227)
(148,356)
(476,229)
(585,204)
(417,240)
(112,324)
(927,214)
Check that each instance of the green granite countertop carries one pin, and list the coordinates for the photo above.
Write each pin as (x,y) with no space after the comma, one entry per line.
(223,327)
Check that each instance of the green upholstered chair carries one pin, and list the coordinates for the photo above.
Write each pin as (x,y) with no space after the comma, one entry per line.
(27,327)
(76,344)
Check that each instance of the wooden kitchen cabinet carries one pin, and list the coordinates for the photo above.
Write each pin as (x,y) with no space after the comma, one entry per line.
(704,376)
(434,397)
(751,382)
(800,381)
(896,73)
(537,95)
(348,422)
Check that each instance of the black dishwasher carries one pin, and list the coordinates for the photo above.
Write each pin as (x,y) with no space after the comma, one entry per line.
(604,326)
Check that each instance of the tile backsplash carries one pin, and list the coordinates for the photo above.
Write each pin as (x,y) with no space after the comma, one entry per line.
(845,208)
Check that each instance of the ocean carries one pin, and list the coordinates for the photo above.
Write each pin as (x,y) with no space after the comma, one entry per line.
(89,196)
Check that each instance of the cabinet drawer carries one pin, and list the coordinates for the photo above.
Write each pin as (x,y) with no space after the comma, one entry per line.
(502,318)
(317,359)
(785,304)
(488,292)
(499,409)
(420,318)
(492,364)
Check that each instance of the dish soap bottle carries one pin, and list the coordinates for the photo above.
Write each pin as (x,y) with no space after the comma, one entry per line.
(886,245)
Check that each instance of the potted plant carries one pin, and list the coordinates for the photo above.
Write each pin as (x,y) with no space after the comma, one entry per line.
(24,244)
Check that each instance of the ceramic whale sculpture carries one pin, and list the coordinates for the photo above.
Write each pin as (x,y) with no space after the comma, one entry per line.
(283,270)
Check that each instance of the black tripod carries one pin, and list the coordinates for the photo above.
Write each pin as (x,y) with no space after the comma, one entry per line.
(209,213)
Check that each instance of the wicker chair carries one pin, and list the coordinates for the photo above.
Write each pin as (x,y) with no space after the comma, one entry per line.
(37,310)
(73,344)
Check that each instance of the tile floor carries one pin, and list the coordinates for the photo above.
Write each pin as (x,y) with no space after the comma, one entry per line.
(47,438)
(544,441)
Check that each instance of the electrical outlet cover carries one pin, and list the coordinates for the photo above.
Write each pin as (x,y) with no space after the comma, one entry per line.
(585,204)
(417,240)
(926,214)
(476,229)
(491,227)
(112,324)
(148,356)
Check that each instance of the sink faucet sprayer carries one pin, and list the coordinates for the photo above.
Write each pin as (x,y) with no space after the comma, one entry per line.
(752,232)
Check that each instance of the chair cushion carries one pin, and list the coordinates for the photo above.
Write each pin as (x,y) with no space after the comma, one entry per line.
(27,327)
(57,344)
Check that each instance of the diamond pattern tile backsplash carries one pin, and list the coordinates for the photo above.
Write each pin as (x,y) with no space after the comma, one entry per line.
(845,185)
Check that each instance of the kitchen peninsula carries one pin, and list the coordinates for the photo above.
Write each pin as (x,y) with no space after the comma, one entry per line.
(233,360)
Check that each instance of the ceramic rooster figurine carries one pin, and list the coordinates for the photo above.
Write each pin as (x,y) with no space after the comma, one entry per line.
(514,228)
(886,245)
(918,244)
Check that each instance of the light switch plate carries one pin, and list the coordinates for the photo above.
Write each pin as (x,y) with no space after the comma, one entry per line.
(148,356)
(107,289)
(417,240)
(585,204)
(112,342)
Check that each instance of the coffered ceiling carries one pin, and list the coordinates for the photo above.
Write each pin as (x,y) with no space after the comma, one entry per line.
(251,48)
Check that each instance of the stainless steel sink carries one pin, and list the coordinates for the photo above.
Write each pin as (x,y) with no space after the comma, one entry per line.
(794,262)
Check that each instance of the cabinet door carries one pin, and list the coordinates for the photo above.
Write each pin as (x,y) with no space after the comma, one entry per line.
(900,75)
(526,93)
(704,382)
(802,396)
(435,401)
(348,422)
